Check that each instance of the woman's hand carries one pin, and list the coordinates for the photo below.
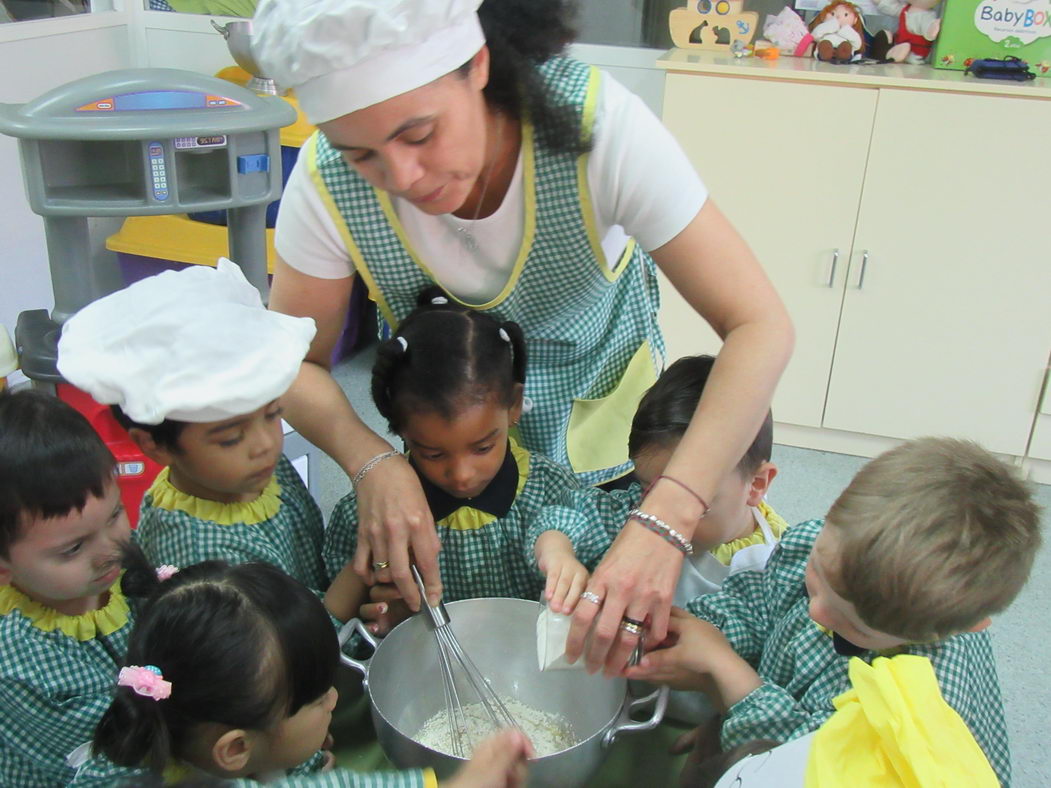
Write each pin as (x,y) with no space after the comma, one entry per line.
(498,762)
(394,520)
(566,576)
(636,580)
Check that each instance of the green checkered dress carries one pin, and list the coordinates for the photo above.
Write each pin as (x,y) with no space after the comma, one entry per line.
(591,518)
(54,686)
(289,538)
(583,321)
(764,616)
(99,772)
(476,560)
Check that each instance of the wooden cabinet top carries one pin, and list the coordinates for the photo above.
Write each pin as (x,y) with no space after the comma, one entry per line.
(891,75)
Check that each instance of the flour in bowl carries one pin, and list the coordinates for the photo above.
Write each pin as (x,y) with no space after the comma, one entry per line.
(549,733)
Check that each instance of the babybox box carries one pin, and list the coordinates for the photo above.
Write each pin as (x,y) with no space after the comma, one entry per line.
(973,29)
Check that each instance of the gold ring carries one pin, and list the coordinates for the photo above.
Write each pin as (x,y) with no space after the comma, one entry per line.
(631,628)
(633,621)
(380,565)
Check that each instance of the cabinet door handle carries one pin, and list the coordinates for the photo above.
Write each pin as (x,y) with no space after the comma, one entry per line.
(864,265)
(832,272)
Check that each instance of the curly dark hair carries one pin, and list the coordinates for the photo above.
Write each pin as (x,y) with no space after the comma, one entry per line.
(521,35)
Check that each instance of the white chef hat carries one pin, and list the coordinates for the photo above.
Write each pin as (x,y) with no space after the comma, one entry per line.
(344,55)
(194,345)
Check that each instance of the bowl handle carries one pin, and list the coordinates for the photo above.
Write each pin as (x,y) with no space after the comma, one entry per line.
(624,724)
(360,665)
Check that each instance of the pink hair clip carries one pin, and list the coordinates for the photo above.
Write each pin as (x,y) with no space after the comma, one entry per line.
(165,572)
(146,680)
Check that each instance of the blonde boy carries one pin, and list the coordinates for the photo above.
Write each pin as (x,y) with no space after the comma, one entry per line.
(926,543)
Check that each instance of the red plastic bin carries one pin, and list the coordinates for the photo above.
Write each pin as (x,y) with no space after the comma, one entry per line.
(135,471)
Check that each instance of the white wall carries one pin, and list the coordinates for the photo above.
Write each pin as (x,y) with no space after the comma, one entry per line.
(36,57)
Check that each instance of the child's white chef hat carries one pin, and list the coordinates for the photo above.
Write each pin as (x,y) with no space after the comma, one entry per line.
(344,55)
(194,345)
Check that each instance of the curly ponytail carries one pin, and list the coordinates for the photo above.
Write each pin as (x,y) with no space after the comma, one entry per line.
(519,355)
(521,35)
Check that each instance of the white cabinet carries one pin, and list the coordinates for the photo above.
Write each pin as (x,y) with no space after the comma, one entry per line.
(937,317)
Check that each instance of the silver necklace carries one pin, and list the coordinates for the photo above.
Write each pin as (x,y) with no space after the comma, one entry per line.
(463,231)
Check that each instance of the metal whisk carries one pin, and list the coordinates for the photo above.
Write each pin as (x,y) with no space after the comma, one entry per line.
(455,660)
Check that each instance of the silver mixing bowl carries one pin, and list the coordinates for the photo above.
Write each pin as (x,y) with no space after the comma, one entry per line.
(404,684)
(238,37)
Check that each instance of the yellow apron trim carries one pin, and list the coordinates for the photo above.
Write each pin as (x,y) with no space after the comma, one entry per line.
(724,553)
(528,227)
(104,621)
(176,772)
(165,496)
(587,210)
(348,241)
(893,729)
(467,518)
(430,780)
(597,436)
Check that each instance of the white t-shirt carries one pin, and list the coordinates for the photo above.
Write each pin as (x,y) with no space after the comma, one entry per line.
(642,186)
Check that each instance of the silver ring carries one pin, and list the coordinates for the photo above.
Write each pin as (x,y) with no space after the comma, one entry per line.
(631,627)
(592,597)
(380,565)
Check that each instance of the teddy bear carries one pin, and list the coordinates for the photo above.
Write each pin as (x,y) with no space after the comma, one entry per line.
(918,26)
(838,32)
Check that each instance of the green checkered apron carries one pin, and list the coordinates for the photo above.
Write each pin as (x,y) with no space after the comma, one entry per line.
(290,539)
(54,689)
(764,617)
(477,560)
(592,333)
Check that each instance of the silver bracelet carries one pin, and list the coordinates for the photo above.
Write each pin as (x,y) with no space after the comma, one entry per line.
(363,471)
(658,526)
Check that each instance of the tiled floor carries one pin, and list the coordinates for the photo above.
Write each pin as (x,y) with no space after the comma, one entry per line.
(805,487)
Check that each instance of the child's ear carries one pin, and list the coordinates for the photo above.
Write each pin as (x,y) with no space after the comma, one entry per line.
(515,411)
(150,447)
(232,751)
(761,480)
(981,625)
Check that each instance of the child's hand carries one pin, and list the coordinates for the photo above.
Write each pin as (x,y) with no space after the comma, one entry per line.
(385,610)
(566,576)
(498,762)
(697,656)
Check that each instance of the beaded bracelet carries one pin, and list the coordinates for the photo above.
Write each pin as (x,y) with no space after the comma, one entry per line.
(658,526)
(363,471)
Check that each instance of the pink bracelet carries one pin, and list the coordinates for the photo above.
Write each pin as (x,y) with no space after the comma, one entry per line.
(700,500)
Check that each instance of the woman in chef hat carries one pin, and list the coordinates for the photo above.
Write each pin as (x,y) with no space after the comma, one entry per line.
(458,146)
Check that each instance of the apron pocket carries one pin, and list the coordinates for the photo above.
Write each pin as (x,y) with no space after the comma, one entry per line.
(597,437)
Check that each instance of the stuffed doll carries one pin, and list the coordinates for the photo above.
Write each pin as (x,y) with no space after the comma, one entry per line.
(918,26)
(838,32)
(789,33)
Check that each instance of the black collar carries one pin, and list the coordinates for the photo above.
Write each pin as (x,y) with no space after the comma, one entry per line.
(496,499)
(845,648)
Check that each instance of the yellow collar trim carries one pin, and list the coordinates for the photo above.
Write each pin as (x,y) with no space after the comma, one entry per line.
(467,518)
(104,621)
(724,553)
(165,496)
